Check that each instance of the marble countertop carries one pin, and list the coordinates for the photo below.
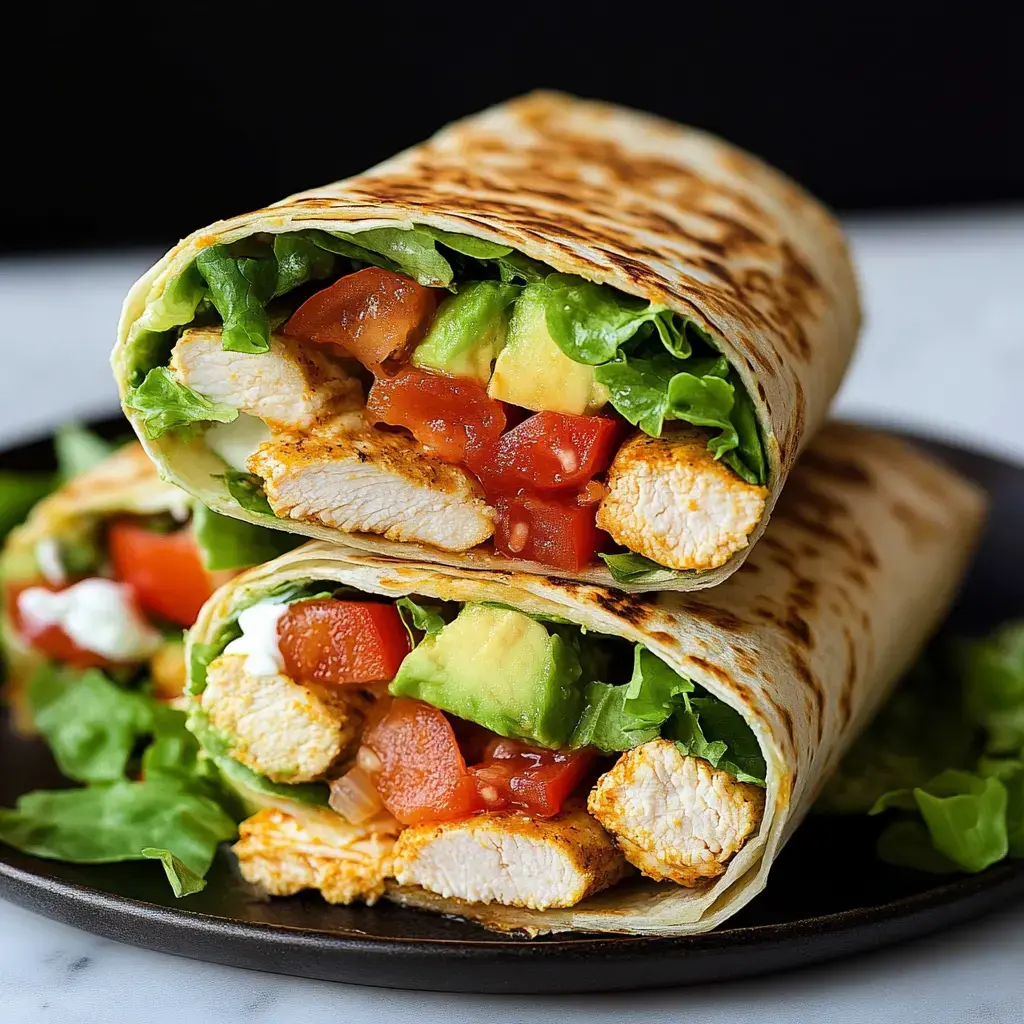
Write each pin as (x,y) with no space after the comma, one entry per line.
(943,352)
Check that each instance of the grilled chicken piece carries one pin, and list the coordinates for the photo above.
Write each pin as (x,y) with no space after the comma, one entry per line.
(284,854)
(675,817)
(372,481)
(669,500)
(293,386)
(282,729)
(511,859)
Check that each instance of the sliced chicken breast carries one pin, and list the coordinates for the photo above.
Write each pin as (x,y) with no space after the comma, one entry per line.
(282,729)
(669,500)
(511,859)
(293,386)
(675,817)
(372,481)
(283,854)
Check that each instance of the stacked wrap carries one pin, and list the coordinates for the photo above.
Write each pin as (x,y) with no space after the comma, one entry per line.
(862,558)
(659,211)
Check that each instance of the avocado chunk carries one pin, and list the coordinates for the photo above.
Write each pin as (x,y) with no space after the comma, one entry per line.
(533,372)
(501,669)
(468,332)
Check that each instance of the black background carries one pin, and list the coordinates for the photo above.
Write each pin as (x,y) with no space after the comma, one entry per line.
(139,128)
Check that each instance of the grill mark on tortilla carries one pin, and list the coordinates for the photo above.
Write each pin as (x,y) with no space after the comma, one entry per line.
(715,616)
(850,680)
(920,528)
(837,468)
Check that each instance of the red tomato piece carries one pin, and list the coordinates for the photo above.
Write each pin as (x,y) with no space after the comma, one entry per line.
(373,315)
(551,451)
(453,418)
(558,532)
(164,570)
(531,779)
(422,775)
(49,640)
(341,642)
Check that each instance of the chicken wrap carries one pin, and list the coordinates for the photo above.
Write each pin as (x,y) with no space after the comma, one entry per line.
(545,755)
(106,574)
(560,334)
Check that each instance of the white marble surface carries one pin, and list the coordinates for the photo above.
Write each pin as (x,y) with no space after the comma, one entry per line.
(943,351)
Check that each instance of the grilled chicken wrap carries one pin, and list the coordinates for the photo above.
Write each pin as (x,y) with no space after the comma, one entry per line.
(560,333)
(547,755)
(106,574)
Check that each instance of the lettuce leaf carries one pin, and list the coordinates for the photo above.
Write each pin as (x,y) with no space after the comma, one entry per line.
(247,490)
(590,322)
(19,492)
(658,701)
(79,449)
(701,390)
(734,748)
(183,880)
(413,251)
(91,725)
(426,618)
(240,288)
(116,821)
(629,567)
(606,724)
(226,543)
(964,814)
(166,405)
(300,259)
(993,684)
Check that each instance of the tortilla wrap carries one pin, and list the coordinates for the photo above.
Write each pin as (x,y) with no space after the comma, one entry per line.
(656,210)
(863,556)
(126,483)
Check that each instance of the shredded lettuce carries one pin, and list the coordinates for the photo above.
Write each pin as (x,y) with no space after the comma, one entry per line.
(167,405)
(226,543)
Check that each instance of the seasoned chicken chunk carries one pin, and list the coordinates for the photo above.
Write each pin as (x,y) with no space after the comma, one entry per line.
(669,500)
(511,859)
(279,728)
(373,481)
(291,386)
(283,854)
(675,817)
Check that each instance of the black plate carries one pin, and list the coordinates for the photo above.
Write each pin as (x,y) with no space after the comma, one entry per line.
(806,915)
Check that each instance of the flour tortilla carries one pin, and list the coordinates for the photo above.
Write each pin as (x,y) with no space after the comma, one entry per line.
(654,209)
(862,558)
(126,483)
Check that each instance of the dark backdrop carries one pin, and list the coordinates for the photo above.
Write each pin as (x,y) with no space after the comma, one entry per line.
(140,128)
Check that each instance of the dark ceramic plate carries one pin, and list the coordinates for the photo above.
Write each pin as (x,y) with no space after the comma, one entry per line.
(808,914)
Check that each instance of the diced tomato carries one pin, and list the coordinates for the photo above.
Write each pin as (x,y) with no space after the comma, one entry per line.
(559,532)
(164,570)
(422,775)
(340,642)
(531,779)
(551,451)
(453,418)
(373,315)
(49,640)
